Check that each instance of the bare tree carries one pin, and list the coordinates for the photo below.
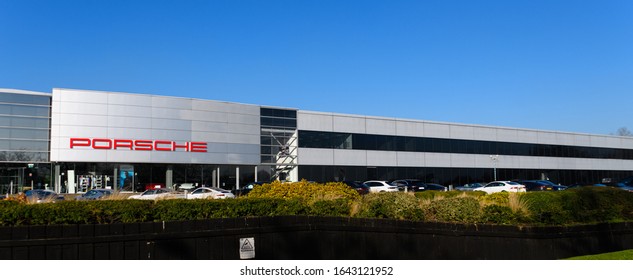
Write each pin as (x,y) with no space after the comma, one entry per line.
(623,131)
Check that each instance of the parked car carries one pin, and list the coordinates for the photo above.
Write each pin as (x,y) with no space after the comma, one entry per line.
(501,186)
(410,185)
(95,194)
(151,186)
(40,196)
(469,187)
(435,187)
(185,186)
(380,186)
(540,185)
(157,194)
(414,185)
(246,189)
(626,184)
(358,186)
(210,193)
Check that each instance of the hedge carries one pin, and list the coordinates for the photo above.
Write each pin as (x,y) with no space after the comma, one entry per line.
(575,206)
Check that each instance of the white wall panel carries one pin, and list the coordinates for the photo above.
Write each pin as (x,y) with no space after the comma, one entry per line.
(315,156)
(565,139)
(242,148)
(350,157)
(349,124)
(210,126)
(171,102)
(128,156)
(410,128)
(244,119)
(437,160)
(130,122)
(244,129)
(210,116)
(82,120)
(381,158)
(485,133)
(314,121)
(172,135)
(167,113)
(380,126)
(129,111)
(171,124)
(462,160)
(209,137)
(82,131)
(547,138)
(410,159)
(141,100)
(126,133)
(84,108)
(507,135)
(242,109)
(436,130)
(82,96)
(208,106)
(527,136)
(461,132)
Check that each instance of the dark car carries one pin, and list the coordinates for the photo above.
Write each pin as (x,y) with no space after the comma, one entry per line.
(540,185)
(360,187)
(626,184)
(414,185)
(40,196)
(246,189)
(469,187)
(95,194)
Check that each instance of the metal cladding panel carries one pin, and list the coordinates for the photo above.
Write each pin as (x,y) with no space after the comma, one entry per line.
(315,156)
(381,158)
(485,133)
(410,128)
(461,132)
(437,160)
(507,135)
(411,159)
(547,138)
(436,130)
(349,124)
(463,160)
(381,126)
(350,157)
(314,121)
(223,127)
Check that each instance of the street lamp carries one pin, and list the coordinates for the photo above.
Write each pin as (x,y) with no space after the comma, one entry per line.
(494,160)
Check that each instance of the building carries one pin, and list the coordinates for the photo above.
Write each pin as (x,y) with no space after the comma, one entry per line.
(74,140)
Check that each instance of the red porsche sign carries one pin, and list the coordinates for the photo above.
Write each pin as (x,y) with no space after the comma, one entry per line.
(138,145)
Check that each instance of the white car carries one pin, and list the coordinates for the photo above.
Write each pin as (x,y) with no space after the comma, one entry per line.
(381,186)
(157,194)
(501,186)
(210,193)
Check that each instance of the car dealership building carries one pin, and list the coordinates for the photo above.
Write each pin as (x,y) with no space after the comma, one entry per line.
(75,140)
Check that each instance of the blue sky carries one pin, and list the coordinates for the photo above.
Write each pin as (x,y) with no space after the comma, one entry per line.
(552,65)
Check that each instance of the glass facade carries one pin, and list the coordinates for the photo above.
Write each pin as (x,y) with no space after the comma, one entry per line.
(454,176)
(278,140)
(355,141)
(24,141)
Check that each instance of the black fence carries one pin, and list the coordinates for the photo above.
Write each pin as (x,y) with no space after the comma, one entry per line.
(310,238)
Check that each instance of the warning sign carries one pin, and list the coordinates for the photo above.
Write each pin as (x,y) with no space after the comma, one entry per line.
(247,248)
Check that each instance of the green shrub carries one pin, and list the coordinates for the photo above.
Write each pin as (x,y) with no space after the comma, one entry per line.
(304,190)
(456,209)
(598,204)
(499,198)
(339,207)
(401,206)
(547,208)
(498,214)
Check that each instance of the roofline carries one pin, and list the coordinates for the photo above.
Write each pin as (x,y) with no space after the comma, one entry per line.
(20,91)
